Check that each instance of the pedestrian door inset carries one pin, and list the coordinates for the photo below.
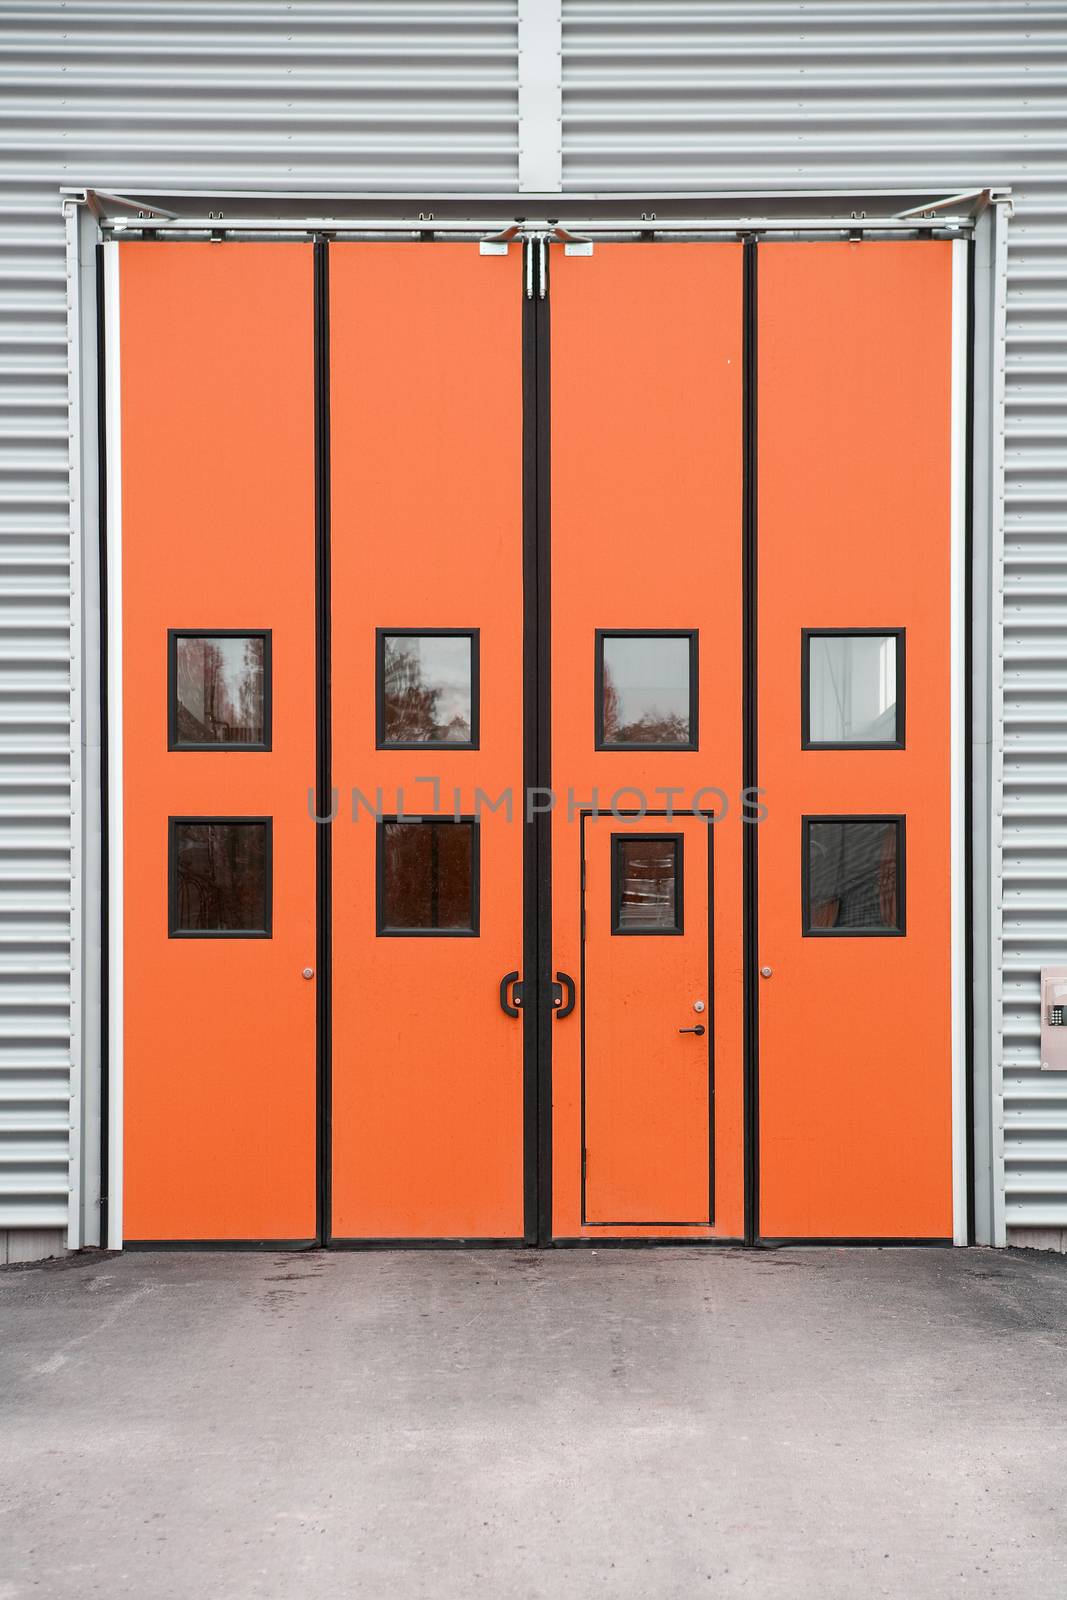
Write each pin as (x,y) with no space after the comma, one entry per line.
(522,830)
(648,1021)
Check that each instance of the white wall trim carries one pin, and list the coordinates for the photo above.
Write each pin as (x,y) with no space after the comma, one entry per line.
(71,222)
(987,719)
(113,406)
(958,734)
(540,96)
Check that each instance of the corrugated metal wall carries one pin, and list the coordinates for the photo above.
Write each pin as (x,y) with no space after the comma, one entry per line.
(418,94)
(867,93)
(132,94)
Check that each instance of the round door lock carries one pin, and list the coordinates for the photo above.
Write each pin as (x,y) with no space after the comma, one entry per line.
(698,1005)
(308,972)
(765,972)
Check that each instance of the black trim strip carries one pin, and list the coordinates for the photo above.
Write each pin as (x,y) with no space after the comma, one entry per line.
(537,765)
(750,741)
(220,1244)
(323,755)
(790,1242)
(638,1242)
(428,1244)
(105,725)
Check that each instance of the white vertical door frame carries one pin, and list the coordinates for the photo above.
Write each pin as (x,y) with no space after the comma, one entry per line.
(540,60)
(87,1182)
(958,737)
(113,424)
(77,1233)
(987,720)
(986,731)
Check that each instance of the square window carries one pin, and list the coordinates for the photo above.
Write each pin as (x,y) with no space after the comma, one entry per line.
(646,883)
(220,877)
(219,689)
(646,689)
(428,876)
(852,689)
(853,876)
(427,688)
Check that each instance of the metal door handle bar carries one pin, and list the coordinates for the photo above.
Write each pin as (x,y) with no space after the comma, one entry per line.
(564,981)
(700,1028)
(511,1007)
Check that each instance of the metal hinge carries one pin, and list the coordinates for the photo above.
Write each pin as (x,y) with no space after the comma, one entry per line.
(536,265)
(497,243)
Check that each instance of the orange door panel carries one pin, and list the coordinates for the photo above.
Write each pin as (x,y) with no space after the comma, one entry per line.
(854,886)
(646,362)
(426,431)
(218,542)
(647,1024)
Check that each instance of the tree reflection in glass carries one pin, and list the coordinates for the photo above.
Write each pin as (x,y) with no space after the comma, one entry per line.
(220,877)
(645,690)
(427,688)
(221,689)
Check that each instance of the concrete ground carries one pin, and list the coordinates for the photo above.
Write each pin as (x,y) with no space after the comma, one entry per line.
(832,1423)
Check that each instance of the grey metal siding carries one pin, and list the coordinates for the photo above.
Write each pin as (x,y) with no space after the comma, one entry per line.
(888,93)
(129,94)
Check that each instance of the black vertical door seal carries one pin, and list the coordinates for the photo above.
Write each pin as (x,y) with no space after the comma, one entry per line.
(750,743)
(537,1015)
(323,753)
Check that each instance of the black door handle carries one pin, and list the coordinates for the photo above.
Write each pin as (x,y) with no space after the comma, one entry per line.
(506,982)
(564,981)
(700,1028)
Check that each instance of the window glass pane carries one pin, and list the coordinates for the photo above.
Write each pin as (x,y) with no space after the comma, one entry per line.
(852,688)
(645,694)
(647,885)
(220,877)
(427,873)
(853,877)
(427,688)
(220,685)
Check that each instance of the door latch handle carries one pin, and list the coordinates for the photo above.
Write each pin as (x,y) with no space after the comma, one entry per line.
(564,982)
(510,1006)
(700,1028)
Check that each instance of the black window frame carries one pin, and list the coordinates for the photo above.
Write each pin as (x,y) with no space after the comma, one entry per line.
(181,746)
(806,741)
(415,820)
(380,636)
(174,931)
(809,932)
(678,841)
(600,634)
